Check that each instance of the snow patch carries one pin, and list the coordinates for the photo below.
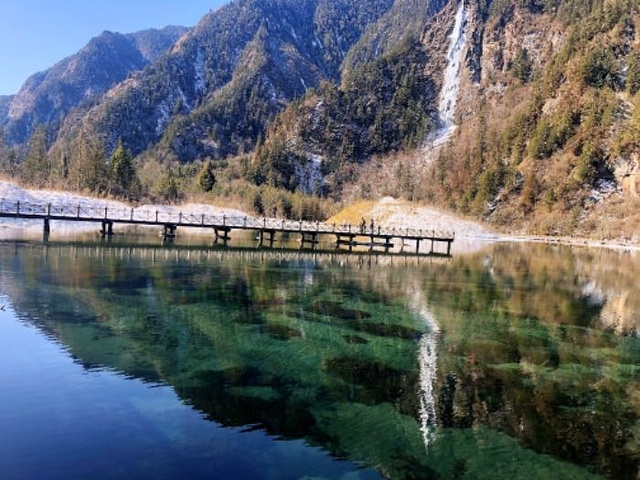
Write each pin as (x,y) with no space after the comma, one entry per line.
(185,101)
(293,33)
(309,175)
(603,189)
(164,114)
(200,77)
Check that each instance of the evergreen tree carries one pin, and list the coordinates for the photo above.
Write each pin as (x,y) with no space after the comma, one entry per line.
(37,167)
(87,168)
(64,164)
(59,165)
(7,163)
(168,188)
(522,65)
(600,69)
(633,76)
(123,171)
(206,177)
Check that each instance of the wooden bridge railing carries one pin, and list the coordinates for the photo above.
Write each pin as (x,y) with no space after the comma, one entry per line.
(82,212)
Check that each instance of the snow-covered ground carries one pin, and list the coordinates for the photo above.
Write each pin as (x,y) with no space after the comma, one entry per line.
(13,193)
(399,214)
(391,213)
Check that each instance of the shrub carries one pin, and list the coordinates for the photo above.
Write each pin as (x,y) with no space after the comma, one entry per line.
(633,75)
(600,69)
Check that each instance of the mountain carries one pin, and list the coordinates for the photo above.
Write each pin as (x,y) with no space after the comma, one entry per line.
(384,104)
(525,113)
(5,103)
(47,97)
(404,18)
(221,84)
(548,137)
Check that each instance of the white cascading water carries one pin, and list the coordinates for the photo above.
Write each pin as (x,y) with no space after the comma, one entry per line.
(428,368)
(451,82)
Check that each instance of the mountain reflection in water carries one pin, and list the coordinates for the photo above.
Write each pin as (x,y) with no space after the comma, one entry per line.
(516,362)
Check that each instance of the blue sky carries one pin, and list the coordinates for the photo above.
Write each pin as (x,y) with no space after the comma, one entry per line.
(35,34)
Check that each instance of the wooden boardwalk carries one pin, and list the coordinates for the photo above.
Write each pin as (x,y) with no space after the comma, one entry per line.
(266,229)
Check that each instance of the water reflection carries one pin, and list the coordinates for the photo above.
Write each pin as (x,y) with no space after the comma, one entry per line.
(508,362)
(428,364)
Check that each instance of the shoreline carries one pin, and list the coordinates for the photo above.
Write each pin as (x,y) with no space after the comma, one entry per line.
(570,242)
(391,212)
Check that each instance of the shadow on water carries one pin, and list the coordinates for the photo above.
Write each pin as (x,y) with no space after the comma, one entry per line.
(535,358)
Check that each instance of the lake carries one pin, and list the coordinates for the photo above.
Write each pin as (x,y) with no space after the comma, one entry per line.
(137,360)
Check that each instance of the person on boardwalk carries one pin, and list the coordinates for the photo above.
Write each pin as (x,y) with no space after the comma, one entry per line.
(363,225)
(372,226)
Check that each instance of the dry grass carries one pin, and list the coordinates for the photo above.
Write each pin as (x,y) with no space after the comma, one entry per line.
(353,214)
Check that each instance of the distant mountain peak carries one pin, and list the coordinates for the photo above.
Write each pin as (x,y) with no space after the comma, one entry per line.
(107,59)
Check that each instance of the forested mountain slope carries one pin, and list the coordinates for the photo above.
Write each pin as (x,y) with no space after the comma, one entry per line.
(549,137)
(219,87)
(47,97)
(547,119)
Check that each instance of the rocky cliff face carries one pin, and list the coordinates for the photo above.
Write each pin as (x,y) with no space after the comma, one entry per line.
(5,103)
(405,17)
(548,119)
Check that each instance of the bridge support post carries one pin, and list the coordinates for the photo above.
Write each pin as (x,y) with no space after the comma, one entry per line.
(224,237)
(169,231)
(418,245)
(448,248)
(47,228)
(313,240)
(107,228)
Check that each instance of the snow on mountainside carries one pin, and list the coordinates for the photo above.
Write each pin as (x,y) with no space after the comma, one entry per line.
(5,103)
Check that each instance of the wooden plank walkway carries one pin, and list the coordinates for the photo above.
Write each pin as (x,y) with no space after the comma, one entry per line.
(348,236)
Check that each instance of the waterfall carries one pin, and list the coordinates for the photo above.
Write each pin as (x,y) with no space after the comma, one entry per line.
(451,82)
(428,369)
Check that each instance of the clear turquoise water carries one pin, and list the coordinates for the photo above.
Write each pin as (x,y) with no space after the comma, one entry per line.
(135,361)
